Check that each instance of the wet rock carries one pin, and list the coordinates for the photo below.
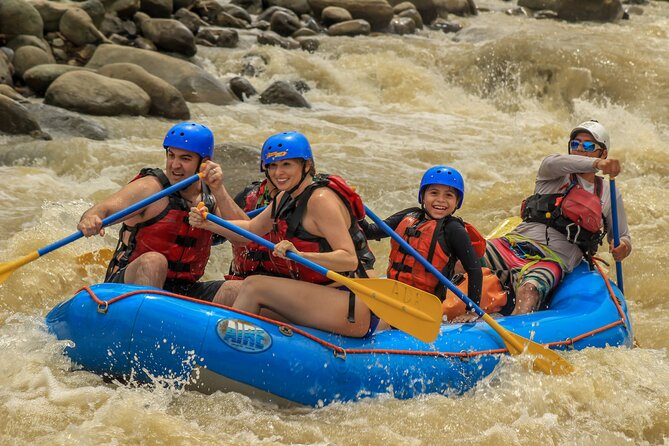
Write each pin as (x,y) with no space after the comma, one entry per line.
(30,56)
(272,38)
(413,15)
(252,6)
(446,26)
(190,20)
(226,20)
(39,78)
(590,10)
(160,9)
(194,83)
(93,94)
(377,13)
(169,35)
(8,91)
(334,14)
(238,12)
(15,119)
(310,23)
(242,88)
(58,121)
(303,32)
(269,12)
(6,70)
(297,6)
(281,92)
(144,44)
(125,9)
(350,28)
(309,44)
(401,7)
(244,158)
(166,100)
(178,4)
(20,17)
(402,25)
(78,27)
(253,64)
(284,24)
(27,40)
(220,37)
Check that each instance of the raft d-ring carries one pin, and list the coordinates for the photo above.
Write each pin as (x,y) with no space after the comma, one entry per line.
(103,307)
(286,331)
(465,356)
(570,345)
(340,354)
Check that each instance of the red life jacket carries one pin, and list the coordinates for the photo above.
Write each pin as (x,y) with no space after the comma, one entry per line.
(185,247)
(426,236)
(288,217)
(246,258)
(575,213)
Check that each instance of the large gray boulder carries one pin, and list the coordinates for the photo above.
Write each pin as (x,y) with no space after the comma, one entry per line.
(60,122)
(579,10)
(15,119)
(169,35)
(93,94)
(29,56)
(377,13)
(166,100)
(78,27)
(195,84)
(39,77)
(19,17)
(52,11)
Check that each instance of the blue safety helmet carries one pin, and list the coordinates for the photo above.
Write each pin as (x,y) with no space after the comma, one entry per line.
(285,145)
(193,137)
(442,175)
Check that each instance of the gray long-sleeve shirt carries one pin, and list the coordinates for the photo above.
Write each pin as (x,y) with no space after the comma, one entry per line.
(552,177)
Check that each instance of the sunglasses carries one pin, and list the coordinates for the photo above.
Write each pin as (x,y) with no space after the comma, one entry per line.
(588,146)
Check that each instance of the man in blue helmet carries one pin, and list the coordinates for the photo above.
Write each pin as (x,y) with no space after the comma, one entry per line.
(157,247)
(564,221)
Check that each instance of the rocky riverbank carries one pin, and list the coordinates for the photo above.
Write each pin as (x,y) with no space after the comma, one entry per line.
(138,57)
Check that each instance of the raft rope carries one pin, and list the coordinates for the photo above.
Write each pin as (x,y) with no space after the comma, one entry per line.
(342,352)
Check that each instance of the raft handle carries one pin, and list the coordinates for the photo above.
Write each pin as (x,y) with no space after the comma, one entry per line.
(103,308)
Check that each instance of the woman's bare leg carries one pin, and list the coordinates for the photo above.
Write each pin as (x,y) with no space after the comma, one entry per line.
(303,303)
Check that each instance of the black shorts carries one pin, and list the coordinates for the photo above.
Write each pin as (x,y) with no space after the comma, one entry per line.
(197,290)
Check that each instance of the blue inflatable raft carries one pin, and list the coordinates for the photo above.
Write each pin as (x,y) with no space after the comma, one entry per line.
(148,335)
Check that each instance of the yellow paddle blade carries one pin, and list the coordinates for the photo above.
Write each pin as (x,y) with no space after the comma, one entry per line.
(508,225)
(409,309)
(7,268)
(544,359)
(100,257)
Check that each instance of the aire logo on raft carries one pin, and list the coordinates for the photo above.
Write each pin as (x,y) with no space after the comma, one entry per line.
(243,336)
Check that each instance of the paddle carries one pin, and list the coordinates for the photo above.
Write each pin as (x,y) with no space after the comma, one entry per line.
(508,225)
(411,310)
(616,234)
(545,360)
(7,268)
(104,255)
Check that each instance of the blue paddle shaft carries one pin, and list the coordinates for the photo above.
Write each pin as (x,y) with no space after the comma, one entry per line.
(120,214)
(266,243)
(616,234)
(408,248)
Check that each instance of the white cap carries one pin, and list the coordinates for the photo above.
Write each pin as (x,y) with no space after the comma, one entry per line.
(595,129)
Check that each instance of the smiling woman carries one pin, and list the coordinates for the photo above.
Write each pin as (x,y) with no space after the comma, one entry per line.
(316,218)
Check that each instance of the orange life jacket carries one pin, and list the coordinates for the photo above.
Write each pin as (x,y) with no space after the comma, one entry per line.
(493,296)
(185,247)
(428,238)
